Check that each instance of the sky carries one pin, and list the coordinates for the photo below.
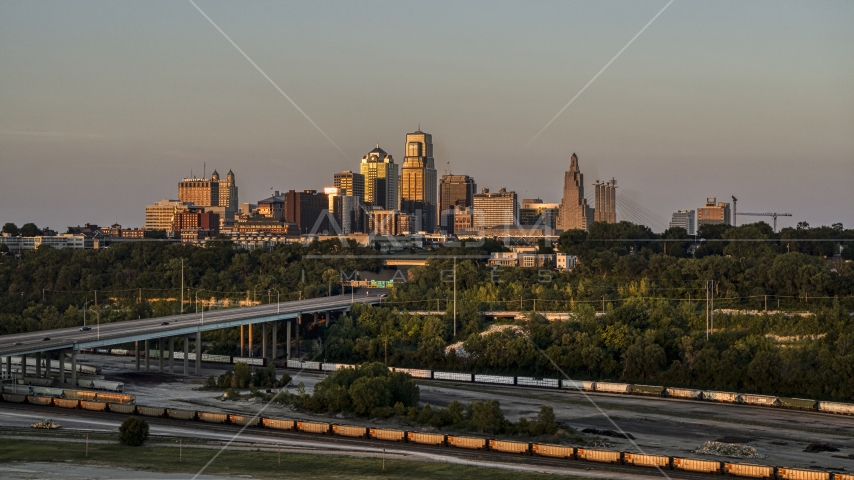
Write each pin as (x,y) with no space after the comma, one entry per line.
(105,106)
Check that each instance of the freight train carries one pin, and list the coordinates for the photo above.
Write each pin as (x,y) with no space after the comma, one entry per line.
(607,387)
(570,453)
(206,357)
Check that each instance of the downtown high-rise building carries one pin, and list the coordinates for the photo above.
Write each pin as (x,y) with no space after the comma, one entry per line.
(574,212)
(454,191)
(381,180)
(418,181)
(683,219)
(352,183)
(494,209)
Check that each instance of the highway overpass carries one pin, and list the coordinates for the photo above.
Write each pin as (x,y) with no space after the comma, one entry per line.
(68,341)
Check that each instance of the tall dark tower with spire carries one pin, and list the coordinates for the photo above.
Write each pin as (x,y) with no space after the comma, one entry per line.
(574,212)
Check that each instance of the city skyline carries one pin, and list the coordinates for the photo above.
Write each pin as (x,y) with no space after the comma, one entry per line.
(765,116)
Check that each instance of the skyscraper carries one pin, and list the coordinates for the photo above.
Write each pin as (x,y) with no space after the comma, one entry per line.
(493,209)
(418,180)
(454,191)
(606,201)
(381,179)
(352,183)
(574,212)
(713,214)
(683,219)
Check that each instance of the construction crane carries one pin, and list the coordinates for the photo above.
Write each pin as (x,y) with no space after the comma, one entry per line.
(772,215)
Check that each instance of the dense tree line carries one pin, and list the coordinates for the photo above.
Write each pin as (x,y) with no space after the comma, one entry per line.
(371,390)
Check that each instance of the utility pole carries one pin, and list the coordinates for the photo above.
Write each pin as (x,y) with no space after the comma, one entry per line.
(182,285)
(766,303)
(98,312)
(603,303)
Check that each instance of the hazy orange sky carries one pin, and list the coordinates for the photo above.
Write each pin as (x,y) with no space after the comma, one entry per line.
(104,106)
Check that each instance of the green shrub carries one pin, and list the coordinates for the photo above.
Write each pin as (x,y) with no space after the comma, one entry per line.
(133,431)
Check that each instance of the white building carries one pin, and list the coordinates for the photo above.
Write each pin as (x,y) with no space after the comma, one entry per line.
(683,219)
(66,240)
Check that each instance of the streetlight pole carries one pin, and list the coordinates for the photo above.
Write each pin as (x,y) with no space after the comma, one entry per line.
(278,303)
(182,285)
(455,297)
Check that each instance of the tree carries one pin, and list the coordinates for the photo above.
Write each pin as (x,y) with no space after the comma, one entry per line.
(486,416)
(11,229)
(546,421)
(30,230)
(3,248)
(133,432)
(242,375)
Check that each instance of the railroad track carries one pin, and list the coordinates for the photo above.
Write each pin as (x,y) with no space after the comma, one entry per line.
(364,445)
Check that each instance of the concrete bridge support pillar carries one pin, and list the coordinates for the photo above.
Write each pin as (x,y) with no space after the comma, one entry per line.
(171,355)
(198,353)
(9,367)
(23,366)
(160,357)
(61,368)
(74,368)
(288,328)
(328,318)
(314,322)
(147,356)
(47,366)
(264,340)
(38,364)
(186,355)
(241,342)
(136,354)
(274,340)
(249,341)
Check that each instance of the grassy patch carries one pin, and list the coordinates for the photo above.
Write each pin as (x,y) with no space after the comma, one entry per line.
(255,463)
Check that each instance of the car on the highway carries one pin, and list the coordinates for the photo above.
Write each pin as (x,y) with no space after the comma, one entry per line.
(17,343)
(85,329)
(45,339)
(164,323)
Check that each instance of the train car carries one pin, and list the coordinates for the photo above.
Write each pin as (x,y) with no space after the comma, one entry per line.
(93,406)
(472,443)
(601,456)
(328,367)
(150,411)
(294,364)
(759,400)
(725,397)
(641,460)
(278,423)
(843,476)
(339,366)
(121,408)
(507,446)
(48,391)
(313,427)
(425,438)
(115,398)
(651,390)
(85,383)
(836,407)
(207,357)
(39,400)
(212,417)
(108,385)
(538,382)
(66,403)
(387,434)
(693,465)
(257,361)
(311,365)
(79,394)
(415,372)
(454,376)
(245,420)
(15,398)
(180,414)
(349,431)
(797,403)
(18,389)
(684,393)
(801,474)
(577,385)
(555,451)
(498,379)
(608,387)
(749,470)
